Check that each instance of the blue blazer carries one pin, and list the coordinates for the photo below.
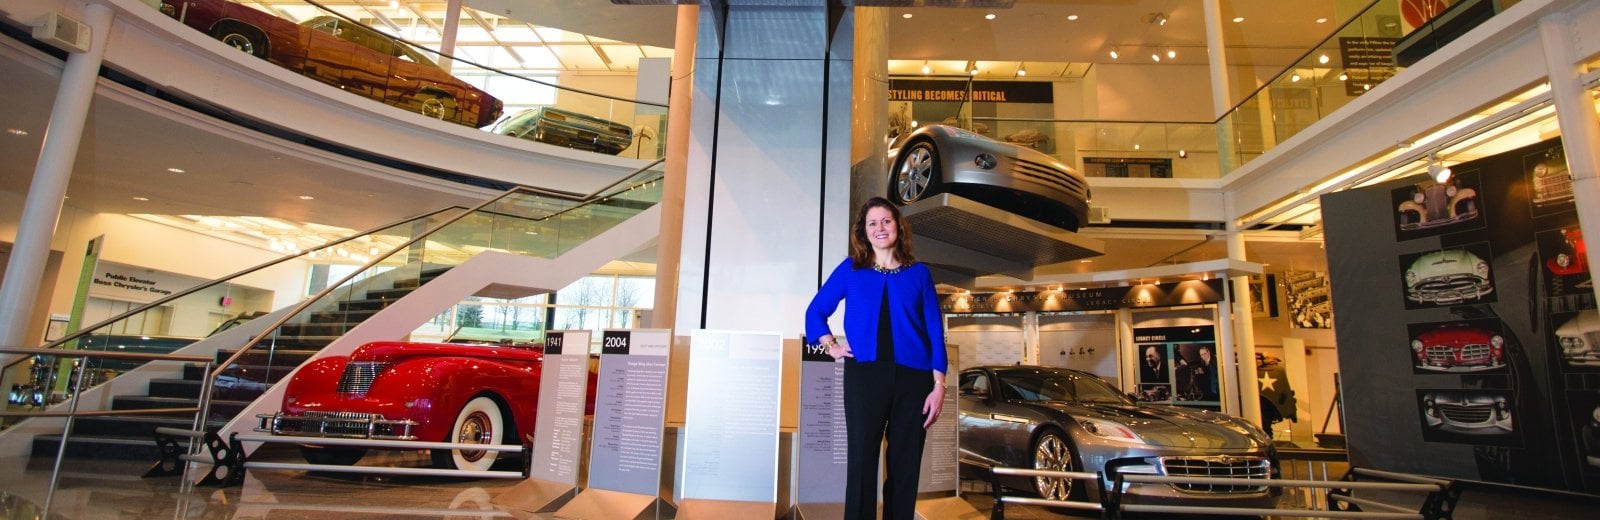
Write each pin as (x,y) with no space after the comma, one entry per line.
(914,316)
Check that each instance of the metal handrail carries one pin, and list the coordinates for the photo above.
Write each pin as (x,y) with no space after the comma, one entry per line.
(72,410)
(213,374)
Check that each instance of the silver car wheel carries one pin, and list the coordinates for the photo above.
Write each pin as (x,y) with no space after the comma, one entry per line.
(1052,453)
(916,173)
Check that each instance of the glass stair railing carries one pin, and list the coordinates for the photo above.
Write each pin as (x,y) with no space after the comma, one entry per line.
(260,351)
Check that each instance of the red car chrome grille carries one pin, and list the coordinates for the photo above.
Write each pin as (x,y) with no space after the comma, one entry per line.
(1045,174)
(1476,354)
(1219,467)
(358,376)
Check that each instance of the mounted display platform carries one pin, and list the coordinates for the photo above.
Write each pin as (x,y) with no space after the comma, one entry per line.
(965,239)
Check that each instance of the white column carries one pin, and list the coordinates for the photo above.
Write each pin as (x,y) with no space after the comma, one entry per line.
(1128,360)
(1217,55)
(1221,86)
(1294,364)
(1244,333)
(1229,375)
(452,25)
(1575,113)
(669,246)
(47,191)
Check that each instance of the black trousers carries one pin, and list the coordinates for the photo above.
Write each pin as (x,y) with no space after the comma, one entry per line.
(883,397)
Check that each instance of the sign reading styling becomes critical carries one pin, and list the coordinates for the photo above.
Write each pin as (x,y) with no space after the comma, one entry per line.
(981,91)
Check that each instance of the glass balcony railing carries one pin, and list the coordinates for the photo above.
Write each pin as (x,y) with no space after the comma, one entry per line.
(369,50)
(352,279)
(1357,57)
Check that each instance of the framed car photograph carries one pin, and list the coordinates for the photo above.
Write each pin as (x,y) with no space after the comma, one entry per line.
(1583,409)
(1457,347)
(1431,207)
(1564,261)
(1461,416)
(1155,393)
(1576,340)
(1549,181)
(1459,275)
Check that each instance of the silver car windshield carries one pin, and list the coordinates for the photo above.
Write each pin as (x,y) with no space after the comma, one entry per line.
(1047,385)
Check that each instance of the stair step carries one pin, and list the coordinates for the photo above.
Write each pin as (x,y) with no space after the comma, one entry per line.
(316,329)
(132,426)
(219,407)
(388,294)
(364,305)
(343,316)
(269,355)
(229,389)
(96,447)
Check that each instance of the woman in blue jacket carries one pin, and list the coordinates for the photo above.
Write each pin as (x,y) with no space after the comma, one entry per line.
(895,362)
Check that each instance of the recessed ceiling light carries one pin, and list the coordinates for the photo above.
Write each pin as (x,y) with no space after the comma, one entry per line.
(141,199)
(1322,59)
(1322,20)
(307,197)
(1114,54)
(16,131)
(1072,17)
(175,170)
(1086,261)
(1343,76)
(1172,53)
(906,16)
(989,16)
(1155,57)
(1238,19)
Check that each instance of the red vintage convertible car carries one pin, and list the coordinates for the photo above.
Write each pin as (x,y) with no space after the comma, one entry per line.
(431,392)
(344,54)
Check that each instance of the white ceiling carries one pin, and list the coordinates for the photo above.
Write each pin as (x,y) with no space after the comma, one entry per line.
(131,140)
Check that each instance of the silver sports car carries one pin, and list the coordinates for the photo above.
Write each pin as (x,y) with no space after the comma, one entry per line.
(939,158)
(1066,420)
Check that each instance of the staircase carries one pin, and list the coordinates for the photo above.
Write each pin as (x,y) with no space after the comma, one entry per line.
(132,437)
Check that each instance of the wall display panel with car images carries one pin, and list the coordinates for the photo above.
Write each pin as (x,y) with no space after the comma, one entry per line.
(1469,330)
(1178,365)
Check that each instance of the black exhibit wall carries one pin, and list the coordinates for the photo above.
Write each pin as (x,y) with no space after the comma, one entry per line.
(1467,327)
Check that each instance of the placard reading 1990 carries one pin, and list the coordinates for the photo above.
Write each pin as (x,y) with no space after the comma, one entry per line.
(629,410)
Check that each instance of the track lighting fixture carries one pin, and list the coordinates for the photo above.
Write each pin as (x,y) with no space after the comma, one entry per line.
(1114,54)
(1022,69)
(925,68)
(1437,169)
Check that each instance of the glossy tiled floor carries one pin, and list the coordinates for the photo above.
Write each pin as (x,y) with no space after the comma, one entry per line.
(114,490)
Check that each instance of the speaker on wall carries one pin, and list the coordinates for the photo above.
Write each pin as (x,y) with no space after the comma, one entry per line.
(63,32)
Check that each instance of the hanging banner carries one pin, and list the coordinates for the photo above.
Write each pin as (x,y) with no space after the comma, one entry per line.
(981,91)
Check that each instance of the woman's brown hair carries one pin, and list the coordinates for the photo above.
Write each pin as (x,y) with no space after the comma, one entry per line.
(861,255)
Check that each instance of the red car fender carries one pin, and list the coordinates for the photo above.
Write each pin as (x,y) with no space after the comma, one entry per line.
(439,387)
(315,377)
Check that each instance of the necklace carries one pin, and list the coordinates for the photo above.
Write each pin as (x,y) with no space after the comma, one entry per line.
(886,270)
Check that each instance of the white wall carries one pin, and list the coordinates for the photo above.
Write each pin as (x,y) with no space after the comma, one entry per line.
(1153,93)
(141,243)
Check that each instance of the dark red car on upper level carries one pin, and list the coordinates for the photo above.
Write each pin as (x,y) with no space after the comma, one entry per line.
(344,54)
(1458,347)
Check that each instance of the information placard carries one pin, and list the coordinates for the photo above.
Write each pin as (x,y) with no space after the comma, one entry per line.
(630,409)
(563,387)
(940,453)
(731,416)
(821,449)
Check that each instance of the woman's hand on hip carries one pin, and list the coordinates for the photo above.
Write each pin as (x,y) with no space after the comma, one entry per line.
(932,405)
(837,350)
